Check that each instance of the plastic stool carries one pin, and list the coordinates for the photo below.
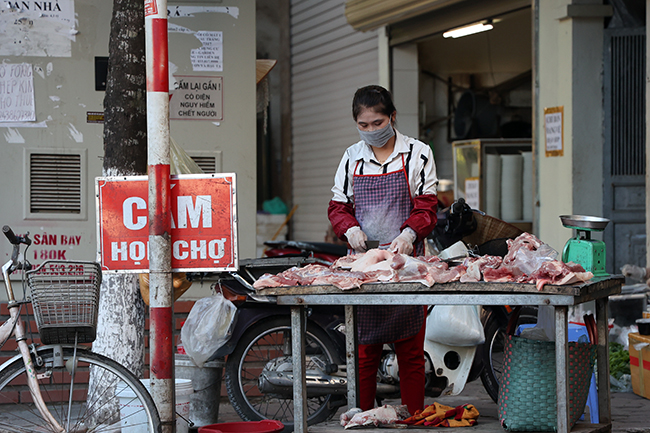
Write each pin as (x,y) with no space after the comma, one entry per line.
(574,332)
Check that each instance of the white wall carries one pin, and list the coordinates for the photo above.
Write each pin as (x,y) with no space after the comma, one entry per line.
(235,136)
(570,53)
(64,92)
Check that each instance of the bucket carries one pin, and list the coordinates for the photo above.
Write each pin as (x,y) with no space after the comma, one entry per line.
(264,426)
(206,381)
(133,420)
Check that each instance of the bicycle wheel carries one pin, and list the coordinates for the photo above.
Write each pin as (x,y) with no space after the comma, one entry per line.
(115,400)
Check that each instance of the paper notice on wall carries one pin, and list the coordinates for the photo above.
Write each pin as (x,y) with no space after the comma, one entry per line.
(16,93)
(37,28)
(554,130)
(209,57)
(196,98)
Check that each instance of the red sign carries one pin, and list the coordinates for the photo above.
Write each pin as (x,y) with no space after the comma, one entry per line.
(203,233)
(150,7)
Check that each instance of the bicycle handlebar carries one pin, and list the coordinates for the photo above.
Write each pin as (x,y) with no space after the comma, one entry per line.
(16,240)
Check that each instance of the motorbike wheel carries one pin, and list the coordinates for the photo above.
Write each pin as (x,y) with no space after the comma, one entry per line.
(492,350)
(264,342)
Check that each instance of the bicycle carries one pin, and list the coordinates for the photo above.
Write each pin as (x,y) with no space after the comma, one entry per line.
(63,386)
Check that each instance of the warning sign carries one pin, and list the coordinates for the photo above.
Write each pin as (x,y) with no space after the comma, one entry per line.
(203,226)
(197,98)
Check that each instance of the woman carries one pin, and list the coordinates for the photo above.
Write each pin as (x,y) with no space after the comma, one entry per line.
(385,190)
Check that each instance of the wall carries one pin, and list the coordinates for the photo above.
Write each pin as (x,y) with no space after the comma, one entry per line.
(234,136)
(67,107)
(569,74)
(330,61)
(64,94)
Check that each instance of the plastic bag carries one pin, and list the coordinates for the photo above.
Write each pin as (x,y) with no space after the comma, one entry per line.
(208,327)
(455,325)
(546,322)
(180,161)
(530,260)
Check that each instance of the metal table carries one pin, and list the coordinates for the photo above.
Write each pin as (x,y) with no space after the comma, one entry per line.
(456,293)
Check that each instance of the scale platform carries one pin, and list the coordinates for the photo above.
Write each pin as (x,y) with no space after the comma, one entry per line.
(590,253)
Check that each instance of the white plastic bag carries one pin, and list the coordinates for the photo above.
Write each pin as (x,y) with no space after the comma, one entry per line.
(546,322)
(455,325)
(180,162)
(208,327)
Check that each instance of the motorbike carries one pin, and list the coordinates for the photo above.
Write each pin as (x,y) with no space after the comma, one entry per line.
(258,373)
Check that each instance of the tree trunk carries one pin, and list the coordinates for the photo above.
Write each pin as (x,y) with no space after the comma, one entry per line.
(120,328)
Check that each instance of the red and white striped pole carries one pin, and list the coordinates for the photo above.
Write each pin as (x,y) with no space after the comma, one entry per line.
(160,276)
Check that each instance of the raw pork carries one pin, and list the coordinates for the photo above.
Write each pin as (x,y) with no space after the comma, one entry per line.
(558,273)
(371,258)
(306,275)
(379,416)
(476,268)
(523,241)
(344,280)
(270,280)
(409,269)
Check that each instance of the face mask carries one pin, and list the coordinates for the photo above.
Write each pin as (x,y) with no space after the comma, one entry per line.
(379,137)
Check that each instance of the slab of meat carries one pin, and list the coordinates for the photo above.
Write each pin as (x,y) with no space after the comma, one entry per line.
(441,273)
(371,258)
(306,275)
(346,261)
(270,280)
(557,273)
(476,268)
(378,416)
(344,280)
(347,416)
(410,269)
(523,241)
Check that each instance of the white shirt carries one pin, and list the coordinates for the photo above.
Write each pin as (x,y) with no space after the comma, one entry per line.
(417,157)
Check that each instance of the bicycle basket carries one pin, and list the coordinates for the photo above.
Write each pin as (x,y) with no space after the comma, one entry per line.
(65,298)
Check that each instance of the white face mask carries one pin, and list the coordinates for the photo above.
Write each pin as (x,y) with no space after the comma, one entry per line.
(378,137)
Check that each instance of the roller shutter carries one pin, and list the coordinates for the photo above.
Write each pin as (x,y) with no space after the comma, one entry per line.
(329,61)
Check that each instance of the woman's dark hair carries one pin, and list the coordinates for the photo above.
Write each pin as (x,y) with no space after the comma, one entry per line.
(375,97)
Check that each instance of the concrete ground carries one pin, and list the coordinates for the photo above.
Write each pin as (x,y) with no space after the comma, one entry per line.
(630,413)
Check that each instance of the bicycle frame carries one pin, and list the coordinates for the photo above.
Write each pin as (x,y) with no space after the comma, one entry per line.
(16,327)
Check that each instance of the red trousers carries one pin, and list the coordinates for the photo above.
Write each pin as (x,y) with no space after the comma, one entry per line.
(410,358)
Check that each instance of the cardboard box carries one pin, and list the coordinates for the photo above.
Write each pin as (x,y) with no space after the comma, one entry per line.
(639,348)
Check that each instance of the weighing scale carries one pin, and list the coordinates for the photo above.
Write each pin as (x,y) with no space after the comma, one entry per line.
(590,253)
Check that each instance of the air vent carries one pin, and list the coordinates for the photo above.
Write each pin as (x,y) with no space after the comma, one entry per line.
(207,163)
(628,105)
(55,183)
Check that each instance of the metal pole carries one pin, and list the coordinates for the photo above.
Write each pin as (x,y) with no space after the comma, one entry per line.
(298,329)
(160,277)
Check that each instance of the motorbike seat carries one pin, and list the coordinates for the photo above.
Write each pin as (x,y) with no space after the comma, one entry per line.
(316,247)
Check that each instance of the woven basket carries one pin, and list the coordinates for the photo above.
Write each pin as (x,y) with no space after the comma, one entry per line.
(527,391)
(488,228)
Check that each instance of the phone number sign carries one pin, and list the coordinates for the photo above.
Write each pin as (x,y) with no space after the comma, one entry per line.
(203,226)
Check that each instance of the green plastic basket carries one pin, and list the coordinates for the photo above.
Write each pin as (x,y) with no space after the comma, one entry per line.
(527,390)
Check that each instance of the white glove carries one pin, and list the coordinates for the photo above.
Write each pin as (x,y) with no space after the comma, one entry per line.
(357,239)
(635,272)
(404,242)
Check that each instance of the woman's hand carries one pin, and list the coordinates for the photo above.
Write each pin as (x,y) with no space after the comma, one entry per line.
(357,239)
(404,242)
